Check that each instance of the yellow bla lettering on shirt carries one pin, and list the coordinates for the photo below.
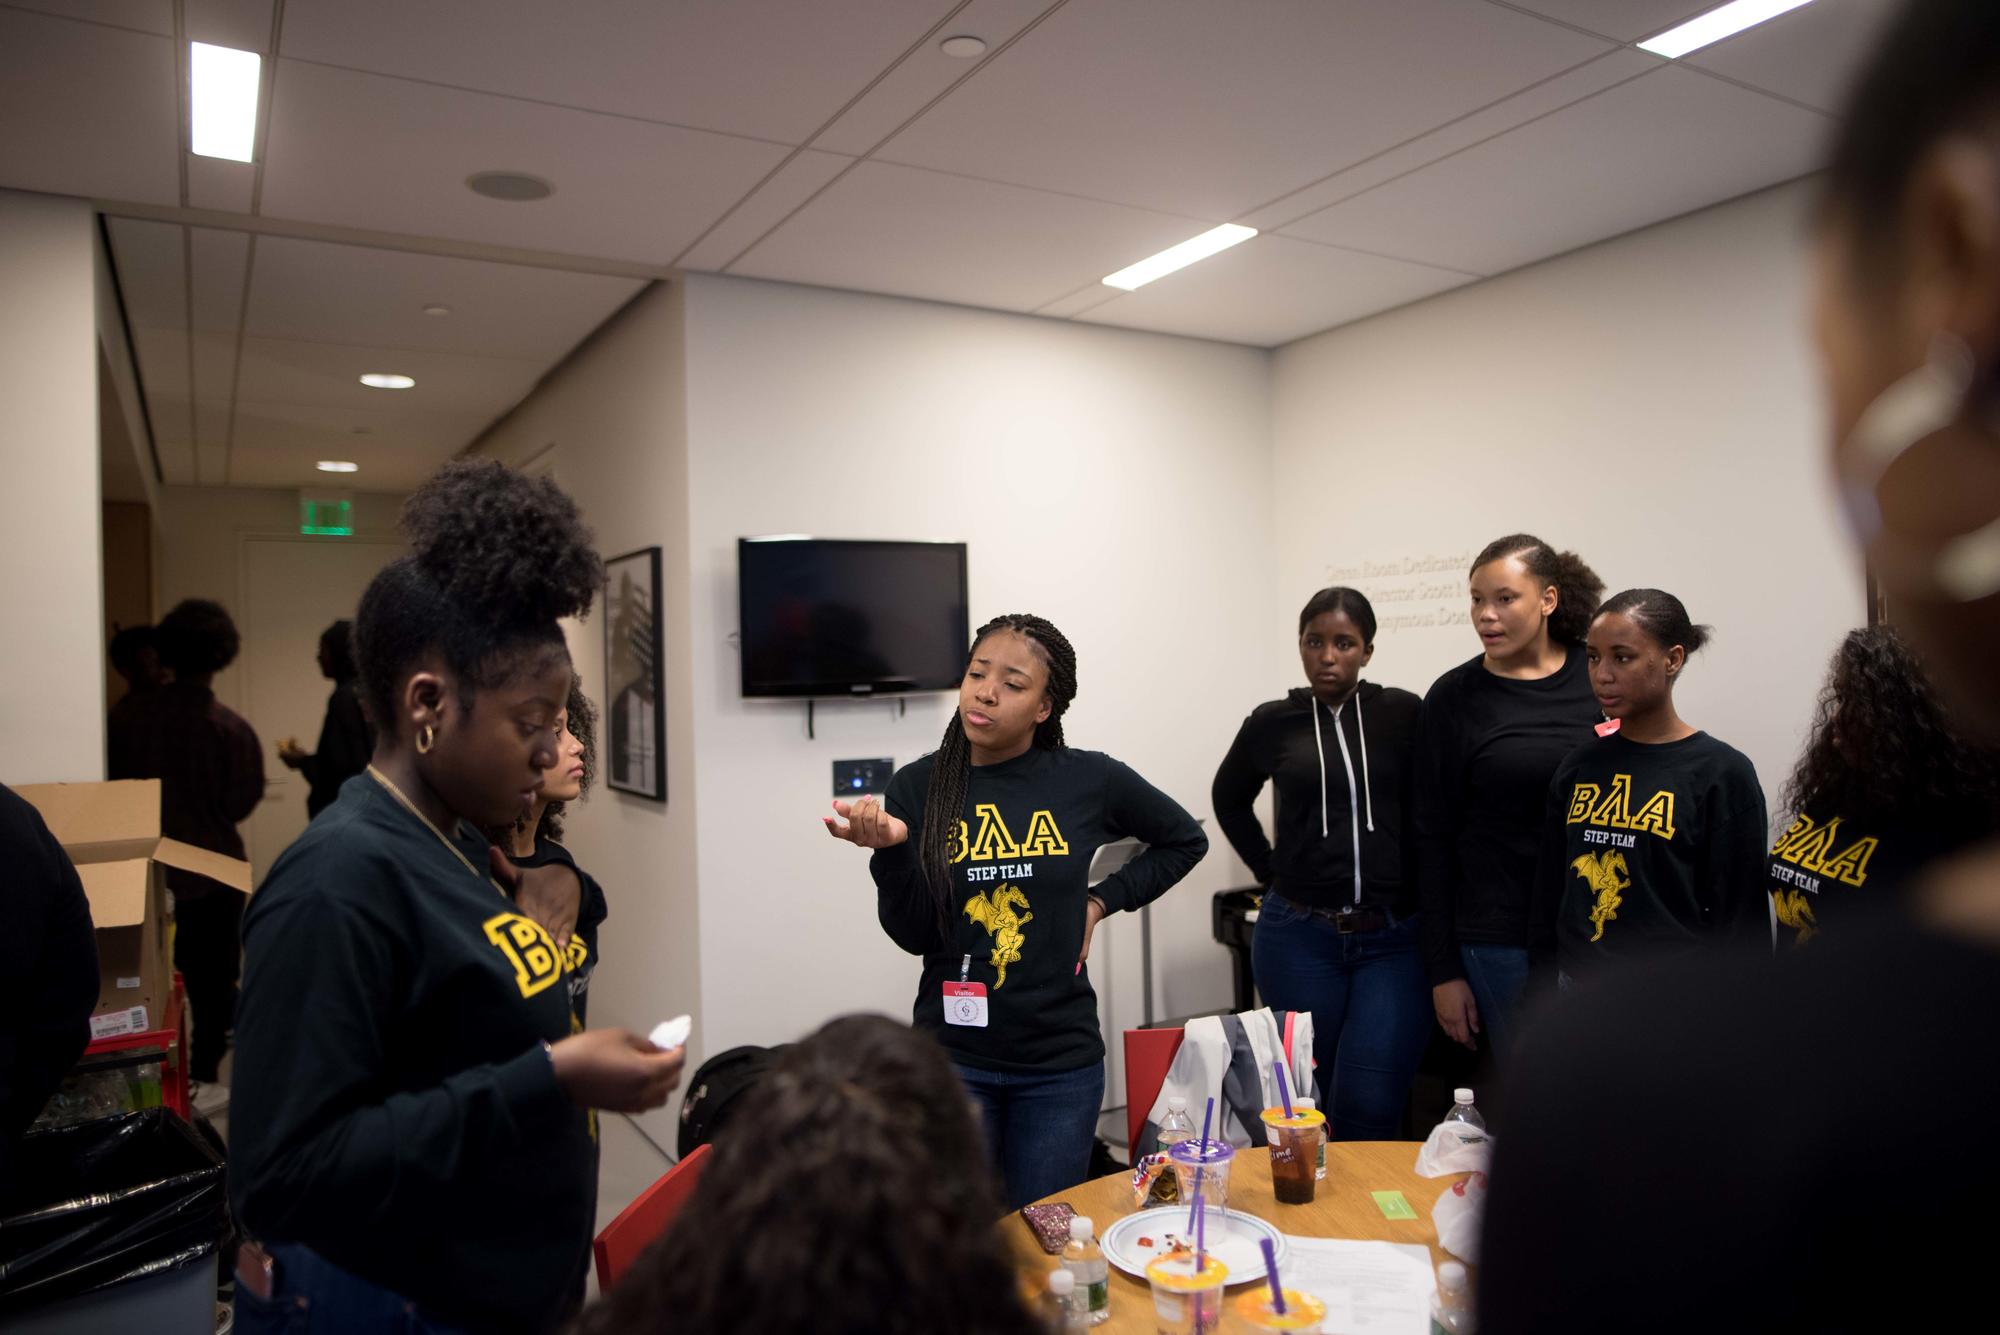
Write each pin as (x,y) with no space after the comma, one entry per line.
(528,949)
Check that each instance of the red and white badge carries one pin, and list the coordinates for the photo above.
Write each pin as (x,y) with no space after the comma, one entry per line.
(965,1004)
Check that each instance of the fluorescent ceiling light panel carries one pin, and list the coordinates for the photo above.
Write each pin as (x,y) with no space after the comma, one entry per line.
(387,380)
(224,87)
(1717,24)
(1211,242)
(337,466)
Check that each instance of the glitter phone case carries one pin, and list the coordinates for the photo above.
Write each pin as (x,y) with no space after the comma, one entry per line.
(1050,1224)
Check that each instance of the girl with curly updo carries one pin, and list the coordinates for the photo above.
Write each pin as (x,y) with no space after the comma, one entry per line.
(1886,784)
(412,1141)
(847,1196)
(982,866)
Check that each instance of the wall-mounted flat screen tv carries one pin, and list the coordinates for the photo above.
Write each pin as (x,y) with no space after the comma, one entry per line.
(833,617)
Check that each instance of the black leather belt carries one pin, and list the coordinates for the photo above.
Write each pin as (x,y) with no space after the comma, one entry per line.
(1350,919)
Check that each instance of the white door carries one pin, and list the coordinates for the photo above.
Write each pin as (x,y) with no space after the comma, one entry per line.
(293,589)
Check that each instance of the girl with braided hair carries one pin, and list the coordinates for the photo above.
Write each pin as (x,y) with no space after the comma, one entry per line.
(982,865)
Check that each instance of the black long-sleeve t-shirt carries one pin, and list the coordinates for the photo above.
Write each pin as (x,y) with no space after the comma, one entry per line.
(48,970)
(1485,754)
(592,911)
(345,744)
(1338,792)
(393,1107)
(1021,881)
(1824,868)
(1649,849)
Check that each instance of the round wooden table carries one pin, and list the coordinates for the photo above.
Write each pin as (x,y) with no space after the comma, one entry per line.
(1341,1208)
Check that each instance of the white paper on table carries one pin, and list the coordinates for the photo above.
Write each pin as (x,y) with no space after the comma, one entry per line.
(1369,1288)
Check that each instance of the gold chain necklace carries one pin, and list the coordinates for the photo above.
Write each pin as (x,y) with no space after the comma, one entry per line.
(411,807)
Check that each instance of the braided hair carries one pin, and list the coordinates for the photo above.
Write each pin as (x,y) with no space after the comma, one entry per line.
(951,770)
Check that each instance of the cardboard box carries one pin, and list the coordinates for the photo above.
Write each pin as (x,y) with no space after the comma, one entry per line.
(111,831)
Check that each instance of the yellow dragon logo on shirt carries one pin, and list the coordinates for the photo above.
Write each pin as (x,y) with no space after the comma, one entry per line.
(1607,874)
(997,915)
(1795,911)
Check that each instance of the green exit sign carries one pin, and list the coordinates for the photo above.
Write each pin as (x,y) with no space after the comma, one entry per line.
(326,518)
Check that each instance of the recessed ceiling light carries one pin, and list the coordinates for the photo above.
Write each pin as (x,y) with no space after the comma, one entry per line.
(361,431)
(222,86)
(437,310)
(514,187)
(962,48)
(1715,25)
(387,380)
(337,466)
(1134,276)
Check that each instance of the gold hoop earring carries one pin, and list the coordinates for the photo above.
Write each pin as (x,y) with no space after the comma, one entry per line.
(426,739)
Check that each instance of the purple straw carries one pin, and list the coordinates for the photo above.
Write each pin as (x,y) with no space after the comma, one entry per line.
(1284,1091)
(1194,1212)
(1271,1269)
(1200,1236)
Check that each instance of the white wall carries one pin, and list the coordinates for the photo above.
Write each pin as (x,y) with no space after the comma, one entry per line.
(1649,401)
(612,419)
(51,601)
(1117,483)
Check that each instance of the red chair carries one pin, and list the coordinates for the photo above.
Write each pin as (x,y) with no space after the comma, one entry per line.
(1149,1054)
(646,1218)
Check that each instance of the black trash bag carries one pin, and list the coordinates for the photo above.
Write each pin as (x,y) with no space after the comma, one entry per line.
(105,1202)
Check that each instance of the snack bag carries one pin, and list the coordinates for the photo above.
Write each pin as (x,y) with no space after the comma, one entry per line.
(1457,1216)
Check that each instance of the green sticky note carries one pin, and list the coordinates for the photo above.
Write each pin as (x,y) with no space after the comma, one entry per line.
(1393,1205)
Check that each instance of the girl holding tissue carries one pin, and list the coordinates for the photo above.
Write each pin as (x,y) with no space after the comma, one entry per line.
(412,1139)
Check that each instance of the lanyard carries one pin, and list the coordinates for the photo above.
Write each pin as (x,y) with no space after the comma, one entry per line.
(964,968)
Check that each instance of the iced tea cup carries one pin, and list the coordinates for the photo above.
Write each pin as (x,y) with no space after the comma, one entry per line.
(1204,1164)
(1254,1311)
(1187,1300)
(1295,1140)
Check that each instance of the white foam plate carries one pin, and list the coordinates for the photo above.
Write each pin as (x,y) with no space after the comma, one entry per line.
(670,1034)
(1238,1248)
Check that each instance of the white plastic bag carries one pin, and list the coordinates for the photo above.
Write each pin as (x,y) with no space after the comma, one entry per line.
(1455,1147)
(1457,1216)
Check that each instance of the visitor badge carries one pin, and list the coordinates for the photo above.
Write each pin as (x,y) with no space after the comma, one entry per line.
(965,1004)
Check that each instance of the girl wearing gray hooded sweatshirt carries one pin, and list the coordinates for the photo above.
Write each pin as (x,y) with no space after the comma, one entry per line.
(1337,932)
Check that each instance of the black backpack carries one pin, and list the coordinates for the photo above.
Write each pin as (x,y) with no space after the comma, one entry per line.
(716,1087)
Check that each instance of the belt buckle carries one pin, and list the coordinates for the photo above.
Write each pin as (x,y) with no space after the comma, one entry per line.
(1343,922)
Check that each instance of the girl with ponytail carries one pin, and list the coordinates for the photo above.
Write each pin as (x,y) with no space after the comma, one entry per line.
(412,1142)
(1494,729)
(981,866)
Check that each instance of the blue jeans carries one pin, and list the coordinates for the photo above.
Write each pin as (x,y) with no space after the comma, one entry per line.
(1039,1128)
(1371,1006)
(1497,975)
(313,1295)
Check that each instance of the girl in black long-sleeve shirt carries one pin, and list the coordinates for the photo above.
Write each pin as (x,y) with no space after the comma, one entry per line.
(982,867)
(1494,730)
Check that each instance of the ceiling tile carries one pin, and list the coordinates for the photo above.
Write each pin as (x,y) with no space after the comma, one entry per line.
(923,74)
(1664,144)
(326,375)
(1079,301)
(278,445)
(1620,20)
(152,274)
(219,184)
(764,209)
(1810,54)
(317,291)
(242,24)
(90,110)
(774,69)
(1552,95)
(1272,290)
(214,360)
(391,155)
(155,16)
(163,363)
(221,263)
(883,228)
(1209,110)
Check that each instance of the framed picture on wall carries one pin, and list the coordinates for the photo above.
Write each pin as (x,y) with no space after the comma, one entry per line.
(635,716)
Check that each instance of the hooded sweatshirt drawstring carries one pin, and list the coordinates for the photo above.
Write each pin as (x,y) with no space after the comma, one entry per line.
(1347,763)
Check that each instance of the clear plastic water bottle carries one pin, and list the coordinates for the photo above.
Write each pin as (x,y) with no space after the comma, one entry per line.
(1319,1158)
(1083,1258)
(1065,1308)
(1451,1308)
(1472,1127)
(1175,1127)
